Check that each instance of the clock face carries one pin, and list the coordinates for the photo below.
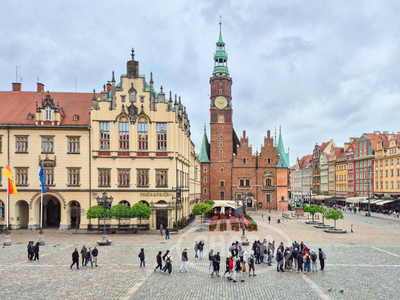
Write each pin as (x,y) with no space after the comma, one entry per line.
(220,102)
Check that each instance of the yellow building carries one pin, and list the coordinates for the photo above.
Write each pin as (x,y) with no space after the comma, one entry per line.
(129,141)
(341,174)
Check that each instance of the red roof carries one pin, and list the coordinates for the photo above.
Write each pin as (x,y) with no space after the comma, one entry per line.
(16,106)
(338,151)
(303,161)
(374,139)
(323,146)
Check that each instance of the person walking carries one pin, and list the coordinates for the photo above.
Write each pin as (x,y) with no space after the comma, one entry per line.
(210,258)
(299,262)
(307,261)
(314,257)
(159,261)
(161,229)
(216,265)
(29,248)
(196,250)
(36,252)
(168,261)
(269,253)
(165,259)
(257,251)
(230,267)
(243,260)
(238,271)
(250,262)
(201,249)
(322,258)
(142,257)
(83,255)
(227,264)
(269,220)
(95,253)
(279,261)
(167,233)
(273,248)
(184,261)
(89,257)
(75,258)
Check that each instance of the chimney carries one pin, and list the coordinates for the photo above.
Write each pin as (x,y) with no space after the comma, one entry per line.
(386,132)
(40,88)
(109,86)
(16,86)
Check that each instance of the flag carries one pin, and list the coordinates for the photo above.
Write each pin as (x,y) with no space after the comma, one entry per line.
(41,178)
(12,188)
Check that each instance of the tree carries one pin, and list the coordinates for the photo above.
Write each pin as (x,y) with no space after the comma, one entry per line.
(323,213)
(201,209)
(118,212)
(312,210)
(210,202)
(140,210)
(95,212)
(334,214)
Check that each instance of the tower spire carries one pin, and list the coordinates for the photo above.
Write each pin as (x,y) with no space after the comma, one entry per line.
(220,56)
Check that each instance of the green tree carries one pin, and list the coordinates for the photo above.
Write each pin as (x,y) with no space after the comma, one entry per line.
(312,210)
(118,212)
(323,212)
(209,202)
(334,214)
(140,210)
(201,209)
(95,212)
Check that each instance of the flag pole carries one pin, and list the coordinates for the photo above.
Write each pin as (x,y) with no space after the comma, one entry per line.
(41,205)
(8,203)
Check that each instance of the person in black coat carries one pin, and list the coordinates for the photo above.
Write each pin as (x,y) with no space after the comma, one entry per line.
(216,264)
(294,256)
(36,252)
(159,261)
(321,258)
(299,262)
(142,258)
(75,258)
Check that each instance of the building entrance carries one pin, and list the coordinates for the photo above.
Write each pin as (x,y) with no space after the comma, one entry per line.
(52,213)
(162,218)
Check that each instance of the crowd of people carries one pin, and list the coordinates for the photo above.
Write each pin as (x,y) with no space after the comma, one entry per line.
(87,255)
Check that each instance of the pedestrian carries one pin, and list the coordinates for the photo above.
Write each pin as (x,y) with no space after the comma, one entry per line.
(230,267)
(161,229)
(196,250)
(239,247)
(142,257)
(238,271)
(294,256)
(36,252)
(184,261)
(307,261)
(95,252)
(299,262)
(201,249)
(216,264)
(269,220)
(168,261)
(89,257)
(165,259)
(269,253)
(288,259)
(265,254)
(227,264)
(75,258)
(279,261)
(273,248)
(314,257)
(166,232)
(322,258)
(159,261)
(83,255)
(302,247)
(257,253)
(250,262)
(30,250)
(210,258)
(243,260)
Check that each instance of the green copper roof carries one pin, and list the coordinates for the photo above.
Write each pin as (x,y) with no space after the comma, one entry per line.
(204,150)
(118,85)
(281,163)
(220,41)
(281,151)
(220,56)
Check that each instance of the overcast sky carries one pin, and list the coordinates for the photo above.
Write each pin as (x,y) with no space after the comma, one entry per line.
(322,69)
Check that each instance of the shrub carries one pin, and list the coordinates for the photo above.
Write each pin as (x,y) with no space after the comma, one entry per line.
(211,226)
(237,226)
(221,226)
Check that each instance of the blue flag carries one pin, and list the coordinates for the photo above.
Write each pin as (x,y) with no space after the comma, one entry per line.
(41,178)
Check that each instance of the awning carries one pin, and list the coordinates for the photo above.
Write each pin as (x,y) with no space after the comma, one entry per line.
(321,197)
(386,201)
(227,203)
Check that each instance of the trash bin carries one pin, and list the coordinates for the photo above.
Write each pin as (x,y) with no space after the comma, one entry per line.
(366,214)
(279,221)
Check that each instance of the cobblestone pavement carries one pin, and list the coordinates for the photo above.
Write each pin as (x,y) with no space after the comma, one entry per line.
(376,220)
(363,267)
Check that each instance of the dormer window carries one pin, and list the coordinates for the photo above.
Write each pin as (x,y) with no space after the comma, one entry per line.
(48,113)
(133,96)
(75,118)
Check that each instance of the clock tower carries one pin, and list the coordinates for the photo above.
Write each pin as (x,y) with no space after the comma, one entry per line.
(221,126)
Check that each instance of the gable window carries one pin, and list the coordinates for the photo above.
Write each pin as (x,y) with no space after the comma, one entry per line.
(142,99)
(48,113)
(123,134)
(244,161)
(269,160)
(143,136)
(104,135)
(162,136)
(132,96)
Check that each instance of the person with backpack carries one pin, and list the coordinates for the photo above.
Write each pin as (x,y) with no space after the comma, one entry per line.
(159,261)
(269,253)
(165,260)
(95,253)
(250,262)
(201,249)
(83,255)
(314,257)
(257,251)
(168,261)
(142,258)
(216,264)
(279,261)
(184,261)
(230,266)
(36,252)
(307,261)
(238,271)
(322,258)
(210,259)
(75,258)
(299,262)
(89,257)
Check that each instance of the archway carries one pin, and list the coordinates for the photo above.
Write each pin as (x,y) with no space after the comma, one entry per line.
(74,211)
(161,214)
(21,214)
(249,202)
(51,212)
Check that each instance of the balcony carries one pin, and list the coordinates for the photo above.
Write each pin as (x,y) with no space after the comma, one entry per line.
(268,188)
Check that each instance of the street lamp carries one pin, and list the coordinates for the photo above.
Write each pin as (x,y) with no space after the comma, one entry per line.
(310,194)
(106,203)
(369,183)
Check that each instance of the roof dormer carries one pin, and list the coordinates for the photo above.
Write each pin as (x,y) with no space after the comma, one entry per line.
(48,113)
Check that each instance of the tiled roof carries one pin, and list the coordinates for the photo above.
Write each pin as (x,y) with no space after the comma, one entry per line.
(338,151)
(374,138)
(323,146)
(16,106)
(307,159)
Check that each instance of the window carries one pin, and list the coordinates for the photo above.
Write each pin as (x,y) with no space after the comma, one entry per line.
(220,92)
(268,182)
(244,161)
(123,177)
(126,203)
(377,186)
(381,173)
(162,136)
(142,178)
(48,176)
(392,185)
(1,143)
(1,172)
(48,113)
(142,99)
(133,96)
(376,164)
(47,144)
(104,135)
(143,135)
(381,163)
(268,198)
(21,144)
(104,177)
(386,172)
(398,172)
(269,160)
(73,145)
(124,134)
(392,162)
(222,183)
(22,176)
(122,99)
(221,136)
(162,178)
(398,161)
(398,184)
(73,176)
(205,191)
(392,173)
(386,162)
(220,151)
(221,195)
(247,182)
(387,185)
(1,210)
(381,185)
(222,170)
(241,182)
(205,169)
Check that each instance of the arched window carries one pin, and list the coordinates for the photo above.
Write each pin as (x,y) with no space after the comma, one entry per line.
(147,204)
(48,113)
(132,96)
(269,160)
(1,210)
(126,203)
(143,136)
(268,182)
(123,134)
(244,161)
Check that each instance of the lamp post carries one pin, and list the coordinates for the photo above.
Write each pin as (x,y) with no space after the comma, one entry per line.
(310,194)
(106,202)
(369,183)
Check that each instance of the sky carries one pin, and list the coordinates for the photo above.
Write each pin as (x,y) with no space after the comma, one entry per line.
(319,69)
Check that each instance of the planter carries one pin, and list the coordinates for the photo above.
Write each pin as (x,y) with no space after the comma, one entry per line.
(179,228)
(332,230)
(250,229)
(221,230)
(323,226)
(211,229)
(256,229)
(237,229)
(313,223)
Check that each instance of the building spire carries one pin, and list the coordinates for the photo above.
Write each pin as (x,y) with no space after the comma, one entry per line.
(133,54)
(220,56)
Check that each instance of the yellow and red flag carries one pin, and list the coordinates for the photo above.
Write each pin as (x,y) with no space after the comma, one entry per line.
(12,188)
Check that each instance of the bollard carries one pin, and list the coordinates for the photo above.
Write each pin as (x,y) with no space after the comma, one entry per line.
(279,221)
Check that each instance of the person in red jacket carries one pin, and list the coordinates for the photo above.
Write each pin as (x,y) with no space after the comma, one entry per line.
(230,268)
